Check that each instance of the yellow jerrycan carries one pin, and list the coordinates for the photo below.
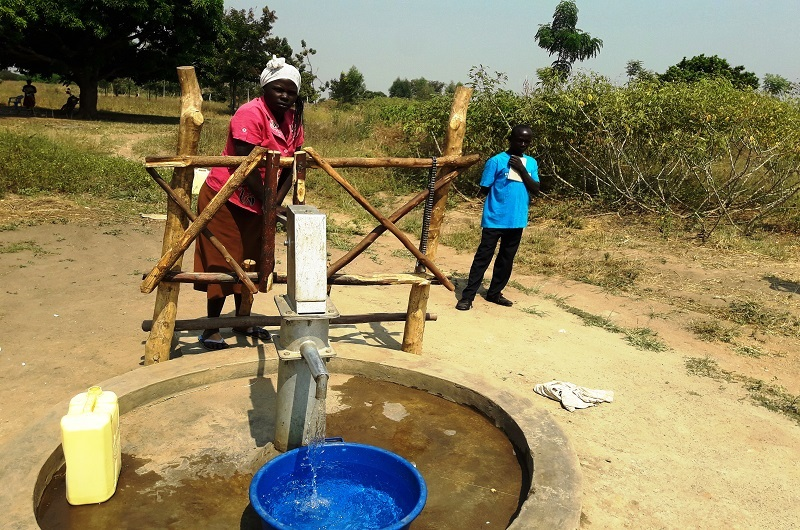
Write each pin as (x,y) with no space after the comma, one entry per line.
(91,443)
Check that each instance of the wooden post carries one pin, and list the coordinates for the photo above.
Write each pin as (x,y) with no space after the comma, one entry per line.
(159,342)
(247,296)
(300,164)
(418,298)
(269,207)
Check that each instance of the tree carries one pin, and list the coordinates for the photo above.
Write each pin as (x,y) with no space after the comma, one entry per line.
(700,66)
(349,88)
(565,41)
(308,84)
(636,71)
(241,49)
(86,41)
(401,88)
(419,88)
(776,85)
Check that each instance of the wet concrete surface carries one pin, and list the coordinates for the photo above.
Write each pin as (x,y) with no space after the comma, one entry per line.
(188,459)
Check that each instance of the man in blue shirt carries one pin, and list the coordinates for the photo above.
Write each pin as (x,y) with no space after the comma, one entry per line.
(509,179)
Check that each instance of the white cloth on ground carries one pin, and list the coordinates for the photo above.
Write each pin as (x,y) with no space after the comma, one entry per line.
(573,396)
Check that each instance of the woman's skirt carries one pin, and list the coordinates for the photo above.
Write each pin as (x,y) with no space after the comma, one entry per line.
(239,231)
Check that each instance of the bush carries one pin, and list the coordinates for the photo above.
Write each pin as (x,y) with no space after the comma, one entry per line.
(706,151)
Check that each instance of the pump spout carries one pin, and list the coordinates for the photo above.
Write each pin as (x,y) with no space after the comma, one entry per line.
(316,366)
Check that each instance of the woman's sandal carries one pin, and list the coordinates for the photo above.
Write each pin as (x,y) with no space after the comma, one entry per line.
(213,345)
(255,332)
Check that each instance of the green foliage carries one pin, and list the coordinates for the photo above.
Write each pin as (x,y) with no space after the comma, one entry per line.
(776,85)
(309,91)
(34,164)
(702,67)
(401,88)
(636,71)
(242,47)
(8,75)
(705,152)
(349,88)
(86,42)
(419,88)
(562,39)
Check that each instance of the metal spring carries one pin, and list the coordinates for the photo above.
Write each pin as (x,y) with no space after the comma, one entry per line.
(427,213)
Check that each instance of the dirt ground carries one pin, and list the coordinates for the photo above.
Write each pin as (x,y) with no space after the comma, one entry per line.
(674,449)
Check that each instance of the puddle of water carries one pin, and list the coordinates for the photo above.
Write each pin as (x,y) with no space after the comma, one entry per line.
(200,476)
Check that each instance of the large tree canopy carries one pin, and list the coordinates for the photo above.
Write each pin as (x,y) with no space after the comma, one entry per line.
(700,67)
(242,48)
(87,41)
(564,40)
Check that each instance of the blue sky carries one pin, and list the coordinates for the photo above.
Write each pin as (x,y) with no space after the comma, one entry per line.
(442,39)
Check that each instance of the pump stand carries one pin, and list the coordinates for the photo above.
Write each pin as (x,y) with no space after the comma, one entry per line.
(303,345)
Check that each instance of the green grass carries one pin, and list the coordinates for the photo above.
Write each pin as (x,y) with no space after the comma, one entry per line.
(30,165)
(519,287)
(748,351)
(713,330)
(463,240)
(644,339)
(771,397)
(752,313)
(340,235)
(641,338)
(23,246)
(534,311)
(403,254)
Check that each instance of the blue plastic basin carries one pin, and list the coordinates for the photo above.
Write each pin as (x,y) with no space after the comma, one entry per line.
(338,485)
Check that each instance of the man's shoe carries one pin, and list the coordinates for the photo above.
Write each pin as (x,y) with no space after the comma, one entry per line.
(464,305)
(500,300)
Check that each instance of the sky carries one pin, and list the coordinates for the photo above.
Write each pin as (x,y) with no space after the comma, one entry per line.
(442,40)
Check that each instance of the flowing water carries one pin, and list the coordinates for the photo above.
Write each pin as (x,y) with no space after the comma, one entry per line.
(336,503)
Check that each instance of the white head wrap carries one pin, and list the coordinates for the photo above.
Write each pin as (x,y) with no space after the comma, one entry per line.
(278,69)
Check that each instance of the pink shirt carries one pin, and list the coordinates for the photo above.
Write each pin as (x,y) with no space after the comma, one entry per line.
(253,123)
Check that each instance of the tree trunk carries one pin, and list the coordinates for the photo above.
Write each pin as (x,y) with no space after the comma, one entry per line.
(87,82)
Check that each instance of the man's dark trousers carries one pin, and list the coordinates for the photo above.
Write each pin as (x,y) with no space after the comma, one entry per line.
(509,243)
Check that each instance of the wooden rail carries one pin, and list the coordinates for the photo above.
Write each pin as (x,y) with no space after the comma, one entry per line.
(275,321)
(235,161)
(334,279)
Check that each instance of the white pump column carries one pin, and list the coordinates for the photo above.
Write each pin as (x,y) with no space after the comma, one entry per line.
(302,344)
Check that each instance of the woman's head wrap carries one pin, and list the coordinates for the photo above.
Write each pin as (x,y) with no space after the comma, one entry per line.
(278,69)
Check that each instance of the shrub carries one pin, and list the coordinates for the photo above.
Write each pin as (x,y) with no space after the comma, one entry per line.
(705,152)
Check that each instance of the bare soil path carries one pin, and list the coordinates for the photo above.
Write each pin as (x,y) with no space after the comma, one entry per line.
(674,450)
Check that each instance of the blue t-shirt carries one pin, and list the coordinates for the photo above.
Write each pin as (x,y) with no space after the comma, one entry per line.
(506,206)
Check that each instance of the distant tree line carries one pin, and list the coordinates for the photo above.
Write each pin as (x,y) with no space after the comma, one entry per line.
(134,48)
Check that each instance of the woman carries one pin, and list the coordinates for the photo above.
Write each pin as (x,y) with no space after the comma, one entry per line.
(268,121)
(29,91)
